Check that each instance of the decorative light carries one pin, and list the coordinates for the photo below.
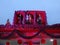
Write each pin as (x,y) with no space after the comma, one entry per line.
(43,41)
(19,41)
(51,40)
(7,43)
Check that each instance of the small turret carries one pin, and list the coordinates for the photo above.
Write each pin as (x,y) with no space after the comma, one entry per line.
(8,23)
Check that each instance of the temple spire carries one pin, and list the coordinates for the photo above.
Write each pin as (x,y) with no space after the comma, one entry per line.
(8,22)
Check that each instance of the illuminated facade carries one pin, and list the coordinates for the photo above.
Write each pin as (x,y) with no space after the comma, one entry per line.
(30,28)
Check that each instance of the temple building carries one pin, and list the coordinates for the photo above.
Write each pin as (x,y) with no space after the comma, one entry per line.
(29,28)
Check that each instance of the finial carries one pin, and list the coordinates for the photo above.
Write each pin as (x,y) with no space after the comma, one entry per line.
(8,22)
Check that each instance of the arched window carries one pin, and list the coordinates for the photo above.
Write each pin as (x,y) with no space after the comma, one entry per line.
(28,19)
(38,19)
(20,19)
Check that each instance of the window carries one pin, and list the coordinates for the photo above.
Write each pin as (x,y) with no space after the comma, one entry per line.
(28,19)
(20,19)
(38,19)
